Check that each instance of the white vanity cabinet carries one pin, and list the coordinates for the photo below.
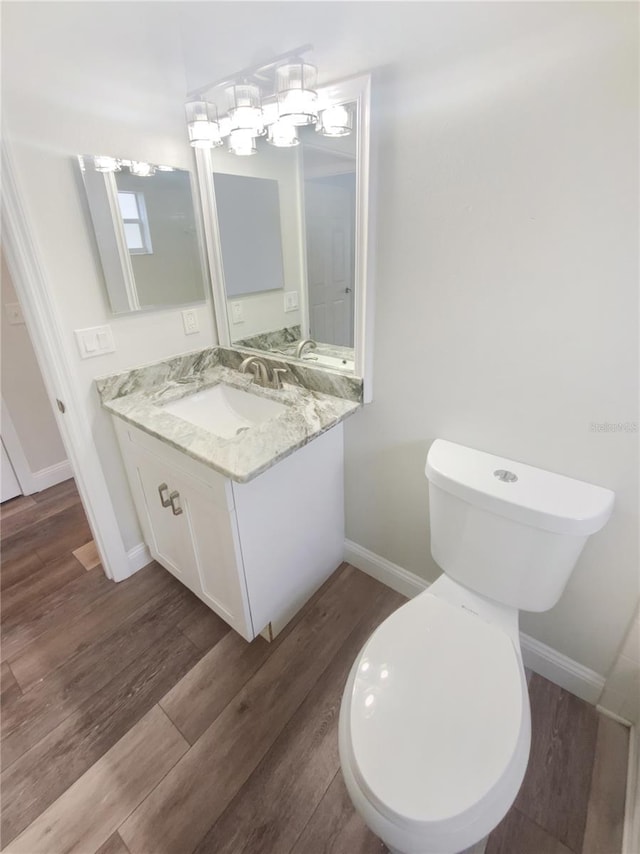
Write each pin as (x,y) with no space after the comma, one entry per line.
(253,552)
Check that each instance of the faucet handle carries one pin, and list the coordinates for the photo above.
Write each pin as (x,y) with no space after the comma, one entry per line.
(276,382)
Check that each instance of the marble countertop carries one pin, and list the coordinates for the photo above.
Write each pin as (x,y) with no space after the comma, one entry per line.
(243,457)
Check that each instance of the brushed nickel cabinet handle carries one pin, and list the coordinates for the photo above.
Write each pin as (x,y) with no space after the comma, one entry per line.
(175,503)
(163,492)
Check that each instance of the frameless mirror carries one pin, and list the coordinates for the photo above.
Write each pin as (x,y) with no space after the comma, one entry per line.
(145,226)
(287,236)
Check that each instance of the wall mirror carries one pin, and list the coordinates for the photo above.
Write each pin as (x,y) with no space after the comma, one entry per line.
(287,234)
(144,221)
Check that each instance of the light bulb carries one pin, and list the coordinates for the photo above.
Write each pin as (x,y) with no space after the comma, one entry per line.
(202,122)
(102,163)
(283,134)
(141,169)
(335,121)
(296,94)
(242,142)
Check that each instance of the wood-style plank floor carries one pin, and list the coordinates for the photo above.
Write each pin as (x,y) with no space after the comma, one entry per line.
(134,721)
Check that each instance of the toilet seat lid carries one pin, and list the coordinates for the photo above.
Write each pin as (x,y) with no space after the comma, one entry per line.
(436,710)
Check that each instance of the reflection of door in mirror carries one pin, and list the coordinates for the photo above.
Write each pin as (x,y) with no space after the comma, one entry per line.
(146,234)
(329,211)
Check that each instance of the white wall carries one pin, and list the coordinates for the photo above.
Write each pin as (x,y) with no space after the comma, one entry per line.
(507,304)
(23,391)
(94,78)
(621,693)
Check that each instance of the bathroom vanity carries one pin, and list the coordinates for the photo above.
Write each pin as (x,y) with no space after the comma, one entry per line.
(238,488)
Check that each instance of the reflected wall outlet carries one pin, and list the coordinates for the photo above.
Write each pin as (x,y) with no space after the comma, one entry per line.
(95,341)
(237,312)
(290,300)
(190,321)
(14,313)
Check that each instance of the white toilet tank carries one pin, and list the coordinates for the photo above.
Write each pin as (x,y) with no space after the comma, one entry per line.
(509,531)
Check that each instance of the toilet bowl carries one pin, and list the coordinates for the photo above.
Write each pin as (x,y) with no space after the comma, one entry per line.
(435,726)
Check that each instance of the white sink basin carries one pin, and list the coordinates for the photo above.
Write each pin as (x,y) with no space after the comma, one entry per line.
(225,410)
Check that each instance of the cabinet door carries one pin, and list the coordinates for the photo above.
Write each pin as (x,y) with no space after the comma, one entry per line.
(199,545)
(218,558)
(168,535)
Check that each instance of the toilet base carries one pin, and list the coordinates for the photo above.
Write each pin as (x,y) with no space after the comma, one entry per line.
(478,848)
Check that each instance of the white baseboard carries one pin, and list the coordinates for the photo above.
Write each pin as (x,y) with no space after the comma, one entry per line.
(49,476)
(560,669)
(537,656)
(139,556)
(394,576)
(614,717)
(631,832)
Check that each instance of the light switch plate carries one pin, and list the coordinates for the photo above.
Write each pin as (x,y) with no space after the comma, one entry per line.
(190,321)
(237,312)
(14,313)
(290,300)
(95,341)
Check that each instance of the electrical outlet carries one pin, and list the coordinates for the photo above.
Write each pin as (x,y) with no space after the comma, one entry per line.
(291,300)
(190,321)
(14,313)
(237,312)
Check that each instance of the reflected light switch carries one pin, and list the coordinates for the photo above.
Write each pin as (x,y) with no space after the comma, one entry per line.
(190,321)
(237,312)
(291,300)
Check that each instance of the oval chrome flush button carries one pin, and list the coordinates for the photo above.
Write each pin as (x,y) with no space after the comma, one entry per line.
(505,476)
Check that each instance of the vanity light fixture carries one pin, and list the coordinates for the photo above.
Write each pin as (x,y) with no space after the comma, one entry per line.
(202,122)
(102,163)
(280,132)
(141,169)
(336,120)
(297,98)
(242,142)
(283,134)
(275,98)
(244,108)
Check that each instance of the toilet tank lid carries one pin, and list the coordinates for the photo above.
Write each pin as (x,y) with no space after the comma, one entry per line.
(535,497)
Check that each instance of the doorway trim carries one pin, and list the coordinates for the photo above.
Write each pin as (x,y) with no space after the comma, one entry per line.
(46,332)
(14,449)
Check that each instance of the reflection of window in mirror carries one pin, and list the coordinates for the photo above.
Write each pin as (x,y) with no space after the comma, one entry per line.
(135,221)
(146,233)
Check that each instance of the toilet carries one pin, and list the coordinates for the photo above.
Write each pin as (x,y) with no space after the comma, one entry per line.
(435,725)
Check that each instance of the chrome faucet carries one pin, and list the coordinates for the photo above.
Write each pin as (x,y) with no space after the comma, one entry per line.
(263,375)
(306,343)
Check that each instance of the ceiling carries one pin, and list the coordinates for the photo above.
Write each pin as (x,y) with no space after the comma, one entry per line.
(220,38)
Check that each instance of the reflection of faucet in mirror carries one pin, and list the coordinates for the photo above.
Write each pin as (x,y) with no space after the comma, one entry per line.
(305,344)
(265,377)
